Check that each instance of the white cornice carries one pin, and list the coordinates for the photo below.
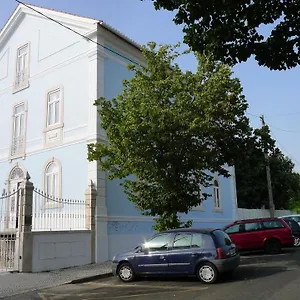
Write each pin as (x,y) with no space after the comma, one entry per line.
(10,26)
(83,25)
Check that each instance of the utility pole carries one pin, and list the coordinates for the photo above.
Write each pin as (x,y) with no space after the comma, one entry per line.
(270,192)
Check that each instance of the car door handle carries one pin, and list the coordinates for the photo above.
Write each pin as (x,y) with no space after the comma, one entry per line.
(194,254)
(162,257)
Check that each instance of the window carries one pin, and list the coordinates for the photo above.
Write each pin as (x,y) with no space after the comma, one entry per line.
(182,241)
(52,182)
(22,68)
(292,224)
(53,107)
(295,218)
(233,229)
(222,238)
(158,243)
(18,136)
(251,226)
(203,241)
(274,224)
(216,195)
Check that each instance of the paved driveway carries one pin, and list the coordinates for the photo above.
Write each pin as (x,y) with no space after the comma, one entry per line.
(259,277)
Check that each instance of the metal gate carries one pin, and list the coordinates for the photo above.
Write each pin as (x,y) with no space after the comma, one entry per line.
(7,252)
(9,215)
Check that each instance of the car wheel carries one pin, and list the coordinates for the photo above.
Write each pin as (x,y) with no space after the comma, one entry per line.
(207,273)
(297,241)
(126,272)
(272,246)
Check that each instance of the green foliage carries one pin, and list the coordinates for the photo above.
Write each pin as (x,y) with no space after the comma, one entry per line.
(170,221)
(231,30)
(251,177)
(171,129)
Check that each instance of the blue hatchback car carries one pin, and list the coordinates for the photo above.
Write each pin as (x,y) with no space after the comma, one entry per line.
(205,253)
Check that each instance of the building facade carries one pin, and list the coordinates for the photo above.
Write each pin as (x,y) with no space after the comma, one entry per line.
(49,80)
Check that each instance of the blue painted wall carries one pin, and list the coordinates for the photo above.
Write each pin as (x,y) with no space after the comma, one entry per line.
(145,227)
(74,169)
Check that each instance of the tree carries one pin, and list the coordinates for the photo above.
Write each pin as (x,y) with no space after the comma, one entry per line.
(171,130)
(295,201)
(251,180)
(231,30)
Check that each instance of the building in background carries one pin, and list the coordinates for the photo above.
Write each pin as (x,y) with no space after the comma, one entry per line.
(49,79)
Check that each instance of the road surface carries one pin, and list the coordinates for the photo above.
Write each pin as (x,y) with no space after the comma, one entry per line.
(259,277)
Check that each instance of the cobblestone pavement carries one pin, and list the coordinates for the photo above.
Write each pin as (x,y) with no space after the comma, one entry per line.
(16,283)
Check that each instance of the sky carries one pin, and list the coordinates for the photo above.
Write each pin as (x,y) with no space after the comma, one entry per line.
(274,94)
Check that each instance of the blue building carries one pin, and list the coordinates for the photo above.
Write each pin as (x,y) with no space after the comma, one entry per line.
(49,79)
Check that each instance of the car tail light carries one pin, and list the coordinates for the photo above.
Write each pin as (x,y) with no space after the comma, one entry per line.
(221,253)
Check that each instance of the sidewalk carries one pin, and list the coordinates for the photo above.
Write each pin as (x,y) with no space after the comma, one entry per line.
(16,283)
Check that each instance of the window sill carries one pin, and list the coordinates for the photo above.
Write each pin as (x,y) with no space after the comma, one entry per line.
(53,127)
(20,88)
(16,156)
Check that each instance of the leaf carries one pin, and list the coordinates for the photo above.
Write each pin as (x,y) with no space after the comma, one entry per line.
(171,130)
(230,30)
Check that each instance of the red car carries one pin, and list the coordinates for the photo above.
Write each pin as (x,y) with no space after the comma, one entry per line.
(270,234)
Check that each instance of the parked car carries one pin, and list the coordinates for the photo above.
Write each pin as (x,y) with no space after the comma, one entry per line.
(293,217)
(205,253)
(295,227)
(270,234)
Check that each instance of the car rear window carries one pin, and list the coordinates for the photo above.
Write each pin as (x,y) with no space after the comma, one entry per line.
(295,218)
(274,224)
(292,224)
(222,238)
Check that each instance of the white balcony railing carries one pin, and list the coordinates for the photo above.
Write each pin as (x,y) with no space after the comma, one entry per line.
(17,146)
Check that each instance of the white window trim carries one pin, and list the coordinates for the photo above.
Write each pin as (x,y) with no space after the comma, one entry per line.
(60,124)
(217,209)
(26,83)
(8,184)
(53,204)
(23,152)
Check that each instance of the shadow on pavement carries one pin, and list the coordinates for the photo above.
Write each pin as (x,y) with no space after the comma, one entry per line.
(241,274)
(290,250)
(250,272)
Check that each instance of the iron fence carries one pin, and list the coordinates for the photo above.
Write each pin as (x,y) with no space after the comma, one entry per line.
(55,214)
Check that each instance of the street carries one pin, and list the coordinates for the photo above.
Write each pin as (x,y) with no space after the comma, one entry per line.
(259,277)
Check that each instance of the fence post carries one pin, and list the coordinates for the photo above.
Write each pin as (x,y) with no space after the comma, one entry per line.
(25,235)
(90,210)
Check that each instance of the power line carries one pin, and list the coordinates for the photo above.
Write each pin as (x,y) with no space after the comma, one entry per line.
(280,144)
(288,114)
(284,149)
(285,130)
(275,127)
(253,115)
(76,32)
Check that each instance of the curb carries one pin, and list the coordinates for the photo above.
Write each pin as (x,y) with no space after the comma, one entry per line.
(90,278)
